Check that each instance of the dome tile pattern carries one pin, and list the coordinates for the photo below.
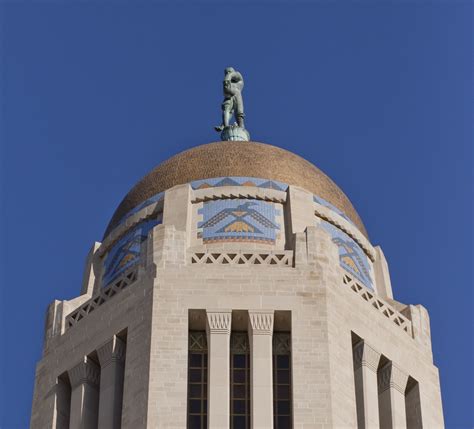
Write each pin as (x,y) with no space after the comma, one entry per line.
(244,159)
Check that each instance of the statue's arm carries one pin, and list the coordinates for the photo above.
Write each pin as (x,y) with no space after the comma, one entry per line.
(237,77)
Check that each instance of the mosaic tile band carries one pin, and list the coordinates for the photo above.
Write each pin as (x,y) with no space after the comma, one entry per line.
(127,251)
(233,181)
(351,256)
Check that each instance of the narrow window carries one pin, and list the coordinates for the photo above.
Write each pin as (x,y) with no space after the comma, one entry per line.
(282,415)
(239,381)
(197,380)
(413,404)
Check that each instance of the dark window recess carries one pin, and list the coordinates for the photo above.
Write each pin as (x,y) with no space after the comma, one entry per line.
(197,380)
(239,381)
(282,410)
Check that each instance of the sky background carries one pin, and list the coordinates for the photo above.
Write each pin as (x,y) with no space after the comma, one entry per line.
(379,95)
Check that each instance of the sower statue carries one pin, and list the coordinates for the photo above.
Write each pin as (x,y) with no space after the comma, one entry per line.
(233,104)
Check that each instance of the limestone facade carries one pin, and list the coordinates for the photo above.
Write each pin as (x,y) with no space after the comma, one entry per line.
(117,356)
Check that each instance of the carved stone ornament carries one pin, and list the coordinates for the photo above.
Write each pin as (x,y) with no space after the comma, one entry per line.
(260,322)
(111,351)
(365,355)
(218,322)
(85,372)
(390,376)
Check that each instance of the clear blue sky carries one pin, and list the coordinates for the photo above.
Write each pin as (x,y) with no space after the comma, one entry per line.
(379,95)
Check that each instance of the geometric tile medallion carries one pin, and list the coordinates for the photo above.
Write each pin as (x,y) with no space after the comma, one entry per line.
(351,257)
(238,220)
(127,251)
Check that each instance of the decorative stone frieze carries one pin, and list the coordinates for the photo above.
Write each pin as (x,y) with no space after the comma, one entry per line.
(111,351)
(85,372)
(218,322)
(365,355)
(261,322)
(390,376)
(283,258)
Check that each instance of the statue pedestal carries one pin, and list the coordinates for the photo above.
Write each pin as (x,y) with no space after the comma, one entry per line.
(235,133)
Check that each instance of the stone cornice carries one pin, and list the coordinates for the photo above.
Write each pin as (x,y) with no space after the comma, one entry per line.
(218,321)
(365,355)
(85,372)
(112,351)
(154,209)
(261,322)
(344,225)
(244,192)
(391,376)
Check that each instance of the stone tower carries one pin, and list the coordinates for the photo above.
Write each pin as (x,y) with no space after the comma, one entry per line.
(236,287)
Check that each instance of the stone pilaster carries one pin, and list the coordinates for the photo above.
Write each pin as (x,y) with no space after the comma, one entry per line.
(84,379)
(177,208)
(260,329)
(62,404)
(112,358)
(218,341)
(166,247)
(300,209)
(392,382)
(366,361)
(92,272)
(383,284)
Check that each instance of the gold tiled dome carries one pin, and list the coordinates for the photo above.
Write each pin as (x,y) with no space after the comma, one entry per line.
(243,159)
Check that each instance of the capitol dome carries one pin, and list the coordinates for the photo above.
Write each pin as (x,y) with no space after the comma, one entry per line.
(228,159)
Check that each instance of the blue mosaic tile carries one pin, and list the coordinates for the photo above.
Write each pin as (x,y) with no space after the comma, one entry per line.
(327,204)
(351,256)
(127,251)
(239,220)
(148,202)
(239,181)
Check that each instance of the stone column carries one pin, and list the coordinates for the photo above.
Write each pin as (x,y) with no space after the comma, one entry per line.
(392,384)
(84,378)
(260,335)
(218,343)
(112,359)
(366,361)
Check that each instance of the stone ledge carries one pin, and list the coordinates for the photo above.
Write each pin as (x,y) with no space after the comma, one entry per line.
(245,192)
(344,225)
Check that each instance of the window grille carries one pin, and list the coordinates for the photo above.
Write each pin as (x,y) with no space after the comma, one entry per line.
(239,381)
(197,380)
(282,410)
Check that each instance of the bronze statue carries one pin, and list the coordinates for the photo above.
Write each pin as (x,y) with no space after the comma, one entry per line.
(233,104)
